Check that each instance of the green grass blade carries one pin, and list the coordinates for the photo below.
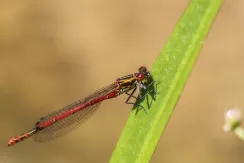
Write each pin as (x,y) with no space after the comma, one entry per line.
(143,131)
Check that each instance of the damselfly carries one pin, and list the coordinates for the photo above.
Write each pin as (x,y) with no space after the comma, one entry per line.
(66,119)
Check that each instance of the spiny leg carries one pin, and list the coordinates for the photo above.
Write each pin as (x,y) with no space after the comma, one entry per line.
(146,87)
(141,97)
(146,94)
(131,95)
(153,92)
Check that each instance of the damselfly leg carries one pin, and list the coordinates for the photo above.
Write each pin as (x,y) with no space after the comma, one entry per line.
(131,95)
(141,86)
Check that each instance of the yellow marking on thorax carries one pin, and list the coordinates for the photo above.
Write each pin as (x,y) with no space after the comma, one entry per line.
(126,80)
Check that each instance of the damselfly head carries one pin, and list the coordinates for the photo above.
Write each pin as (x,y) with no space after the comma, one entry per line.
(143,70)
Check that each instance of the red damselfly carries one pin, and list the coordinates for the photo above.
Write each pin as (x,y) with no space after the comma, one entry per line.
(66,119)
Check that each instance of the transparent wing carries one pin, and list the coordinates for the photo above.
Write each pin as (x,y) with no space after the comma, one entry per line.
(73,121)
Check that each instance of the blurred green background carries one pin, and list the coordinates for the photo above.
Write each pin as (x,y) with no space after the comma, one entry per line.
(55,52)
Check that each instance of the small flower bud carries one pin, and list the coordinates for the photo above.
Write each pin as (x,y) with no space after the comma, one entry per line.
(232,119)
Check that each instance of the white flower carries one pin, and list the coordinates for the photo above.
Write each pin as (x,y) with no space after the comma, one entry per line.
(232,119)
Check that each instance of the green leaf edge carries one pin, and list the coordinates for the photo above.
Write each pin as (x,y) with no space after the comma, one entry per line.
(142,131)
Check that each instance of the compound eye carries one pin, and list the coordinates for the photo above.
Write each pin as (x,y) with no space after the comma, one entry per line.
(141,76)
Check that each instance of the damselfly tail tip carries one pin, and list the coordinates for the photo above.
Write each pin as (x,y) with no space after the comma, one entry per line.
(11,142)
